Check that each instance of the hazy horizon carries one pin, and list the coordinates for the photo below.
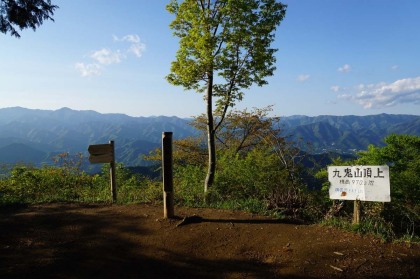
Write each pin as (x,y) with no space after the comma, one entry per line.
(334,58)
(121,113)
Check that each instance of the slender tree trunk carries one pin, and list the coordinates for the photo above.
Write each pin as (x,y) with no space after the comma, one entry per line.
(210,136)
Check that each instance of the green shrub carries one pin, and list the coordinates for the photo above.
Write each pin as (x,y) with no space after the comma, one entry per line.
(188,189)
(28,184)
(66,183)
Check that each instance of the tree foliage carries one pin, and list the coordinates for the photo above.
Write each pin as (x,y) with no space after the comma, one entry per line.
(225,47)
(238,134)
(22,14)
(402,154)
(257,167)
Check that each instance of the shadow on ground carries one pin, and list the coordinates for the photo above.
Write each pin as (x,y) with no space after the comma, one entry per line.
(62,242)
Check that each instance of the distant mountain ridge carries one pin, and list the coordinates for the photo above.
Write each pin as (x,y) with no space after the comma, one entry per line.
(66,130)
(28,135)
(349,133)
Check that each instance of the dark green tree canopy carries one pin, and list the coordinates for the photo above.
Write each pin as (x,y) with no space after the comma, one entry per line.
(22,14)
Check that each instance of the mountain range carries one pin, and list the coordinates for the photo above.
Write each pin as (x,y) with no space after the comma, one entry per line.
(347,134)
(35,136)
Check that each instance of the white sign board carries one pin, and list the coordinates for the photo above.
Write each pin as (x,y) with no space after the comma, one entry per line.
(365,183)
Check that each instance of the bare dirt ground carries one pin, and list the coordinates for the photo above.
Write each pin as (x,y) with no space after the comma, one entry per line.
(134,241)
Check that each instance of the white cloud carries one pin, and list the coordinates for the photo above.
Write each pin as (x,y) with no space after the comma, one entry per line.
(395,67)
(344,69)
(335,88)
(106,57)
(387,94)
(137,48)
(87,70)
(302,78)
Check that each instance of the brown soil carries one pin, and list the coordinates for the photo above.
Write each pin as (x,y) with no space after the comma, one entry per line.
(134,241)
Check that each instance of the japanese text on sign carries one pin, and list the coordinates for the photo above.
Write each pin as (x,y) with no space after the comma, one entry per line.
(365,183)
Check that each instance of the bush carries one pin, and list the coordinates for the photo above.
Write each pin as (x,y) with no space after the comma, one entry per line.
(188,188)
(28,184)
(67,183)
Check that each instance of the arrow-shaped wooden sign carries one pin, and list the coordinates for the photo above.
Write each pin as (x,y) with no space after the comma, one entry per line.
(100,149)
(101,153)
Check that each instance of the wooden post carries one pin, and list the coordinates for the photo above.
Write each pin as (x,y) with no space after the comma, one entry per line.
(356,212)
(168,195)
(112,174)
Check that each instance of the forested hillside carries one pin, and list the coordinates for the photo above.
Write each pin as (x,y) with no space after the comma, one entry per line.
(346,134)
(35,136)
(43,134)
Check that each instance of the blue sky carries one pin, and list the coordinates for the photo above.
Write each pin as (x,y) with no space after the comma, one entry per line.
(335,57)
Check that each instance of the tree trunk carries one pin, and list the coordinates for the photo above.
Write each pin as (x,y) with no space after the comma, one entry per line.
(210,136)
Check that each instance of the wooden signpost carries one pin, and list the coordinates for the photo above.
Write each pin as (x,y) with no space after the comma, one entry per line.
(105,153)
(168,194)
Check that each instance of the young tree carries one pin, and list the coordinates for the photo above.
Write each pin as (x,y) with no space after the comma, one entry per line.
(24,14)
(225,47)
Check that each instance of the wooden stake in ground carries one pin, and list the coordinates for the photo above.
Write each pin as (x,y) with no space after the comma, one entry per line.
(356,212)
(168,195)
(112,174)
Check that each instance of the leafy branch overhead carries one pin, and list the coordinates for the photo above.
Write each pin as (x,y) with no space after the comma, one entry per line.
(23,14)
